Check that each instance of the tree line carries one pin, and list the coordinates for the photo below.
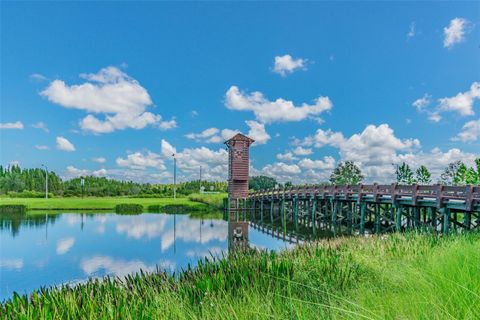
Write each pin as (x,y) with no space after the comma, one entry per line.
(18,182)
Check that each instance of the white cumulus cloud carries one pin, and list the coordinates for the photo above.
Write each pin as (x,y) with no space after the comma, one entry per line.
(287,156)
(280,110)
(167,149)
(112,93)
(214,162)
(300,151)
(470,132)
(455,32)
(141,161)
(375,149)
(422,102)
(463,102)
(328,163)
(167,125)
(257,132)
(64,145)
(74,172)
(38,77)
(41,125)
(285,64)
(11,125)
(282,171)
(202,135)
(99,160)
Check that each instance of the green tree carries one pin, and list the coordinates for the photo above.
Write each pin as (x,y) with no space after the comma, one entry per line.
(458,173)
(461,175)
(465,175)
(423,176)
(261,182)
(346,173)
(404,174)
(448,175)
(474,173)
(12,182)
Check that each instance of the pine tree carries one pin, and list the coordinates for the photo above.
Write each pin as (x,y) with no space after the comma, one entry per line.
(404,174)
(423,176)
(346,173)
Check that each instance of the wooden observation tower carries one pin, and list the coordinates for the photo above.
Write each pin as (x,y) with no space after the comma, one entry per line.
(238,164)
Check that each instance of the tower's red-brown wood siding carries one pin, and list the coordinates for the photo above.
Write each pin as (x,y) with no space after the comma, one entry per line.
(238,166)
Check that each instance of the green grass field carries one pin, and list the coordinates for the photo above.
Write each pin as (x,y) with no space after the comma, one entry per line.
(108,203)
(397,276)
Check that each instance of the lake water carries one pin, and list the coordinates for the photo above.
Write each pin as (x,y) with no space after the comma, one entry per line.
(51,249)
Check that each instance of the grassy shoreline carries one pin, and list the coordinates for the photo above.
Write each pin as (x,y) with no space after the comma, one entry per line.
(109,203)
(397,276)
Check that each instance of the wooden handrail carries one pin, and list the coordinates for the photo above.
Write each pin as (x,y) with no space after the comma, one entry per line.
(440,193)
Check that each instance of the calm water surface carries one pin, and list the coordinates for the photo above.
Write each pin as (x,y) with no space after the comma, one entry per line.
(43,250)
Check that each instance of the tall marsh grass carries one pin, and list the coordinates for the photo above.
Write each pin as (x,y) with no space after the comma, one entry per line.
(398,276)
(12,209)
(128,208)
(213,200)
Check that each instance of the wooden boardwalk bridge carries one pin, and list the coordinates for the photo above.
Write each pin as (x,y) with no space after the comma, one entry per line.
(360,209)
(349,209)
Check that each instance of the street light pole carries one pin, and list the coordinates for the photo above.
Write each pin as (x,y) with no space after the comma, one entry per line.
(174,177)
(200,179)
(46,181)
(82,182)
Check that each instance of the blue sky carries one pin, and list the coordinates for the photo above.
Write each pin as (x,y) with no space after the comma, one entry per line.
(112,89)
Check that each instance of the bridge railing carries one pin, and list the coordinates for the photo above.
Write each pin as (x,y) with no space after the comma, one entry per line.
(442,194)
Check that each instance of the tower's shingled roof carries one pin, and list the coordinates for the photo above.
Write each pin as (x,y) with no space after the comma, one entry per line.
(239,137)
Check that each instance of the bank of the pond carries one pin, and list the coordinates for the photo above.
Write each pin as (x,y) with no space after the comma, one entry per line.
(392,277)
(110,203)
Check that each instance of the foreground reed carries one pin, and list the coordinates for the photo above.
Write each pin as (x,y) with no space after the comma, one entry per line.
(410,276)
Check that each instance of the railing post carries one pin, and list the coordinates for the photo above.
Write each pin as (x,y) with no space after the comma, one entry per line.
(416,217)
(446,220)
(398,218)
(393,194)
(360,193)
(467,220)
(375,192)
(261,210)
(363,208)
(439,192)
(272,204)
(295,212)
(334,216)
(414,194)
(314,209)
(468,197)
(377,218)
(430,218)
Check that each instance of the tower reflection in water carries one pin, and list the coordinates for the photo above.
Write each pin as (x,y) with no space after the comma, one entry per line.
(237,235)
